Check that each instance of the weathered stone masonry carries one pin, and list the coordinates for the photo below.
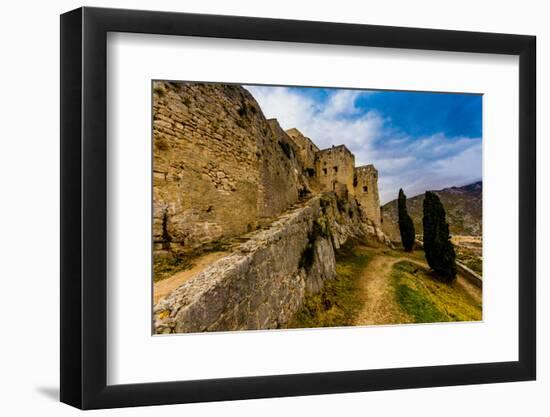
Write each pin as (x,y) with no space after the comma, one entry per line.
(365,183)
(222,170)
(335,166)
(262,284)
(218,167)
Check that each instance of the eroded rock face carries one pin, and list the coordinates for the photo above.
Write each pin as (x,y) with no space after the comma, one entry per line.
(263,283)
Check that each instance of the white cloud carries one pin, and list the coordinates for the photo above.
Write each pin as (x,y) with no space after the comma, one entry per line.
(291,110)
(328,125)
(430,163)
(414,164)
(341,103)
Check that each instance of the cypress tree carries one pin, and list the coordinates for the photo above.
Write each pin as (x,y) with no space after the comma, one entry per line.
(406,226)
(439,250)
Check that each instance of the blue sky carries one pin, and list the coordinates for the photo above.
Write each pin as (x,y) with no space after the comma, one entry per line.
(418,141)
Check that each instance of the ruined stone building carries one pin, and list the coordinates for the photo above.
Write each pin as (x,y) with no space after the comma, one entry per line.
(335,166)
(365,184)
(306,150)
(222,171)
(333,169)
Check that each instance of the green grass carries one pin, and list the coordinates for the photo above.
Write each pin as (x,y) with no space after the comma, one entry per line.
(427,300)
(338,302)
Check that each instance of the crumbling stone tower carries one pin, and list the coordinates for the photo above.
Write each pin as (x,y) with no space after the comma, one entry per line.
(334,166)
(307,149)
(366,192)
(306,153)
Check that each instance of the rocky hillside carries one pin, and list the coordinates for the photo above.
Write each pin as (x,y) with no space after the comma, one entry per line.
(462,204)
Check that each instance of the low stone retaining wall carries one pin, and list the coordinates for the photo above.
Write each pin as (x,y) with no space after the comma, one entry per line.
(470,275)
(466,272)
(260,286)
(263,283)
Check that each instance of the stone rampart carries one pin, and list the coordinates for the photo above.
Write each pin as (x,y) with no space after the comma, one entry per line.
(262,284)
(218,167)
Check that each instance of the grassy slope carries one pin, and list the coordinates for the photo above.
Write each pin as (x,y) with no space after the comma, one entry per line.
(426,300)
(338,302)
(416,293)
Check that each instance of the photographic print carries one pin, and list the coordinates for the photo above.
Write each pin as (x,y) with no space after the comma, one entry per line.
(280,207)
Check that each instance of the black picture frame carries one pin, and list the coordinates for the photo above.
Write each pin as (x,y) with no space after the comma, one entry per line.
(84,207)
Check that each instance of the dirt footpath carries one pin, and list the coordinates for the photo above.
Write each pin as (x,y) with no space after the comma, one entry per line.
(166,286)
(378,295)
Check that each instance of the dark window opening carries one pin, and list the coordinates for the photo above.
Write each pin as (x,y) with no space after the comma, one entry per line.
(325,171)
(335,169)
(365,189)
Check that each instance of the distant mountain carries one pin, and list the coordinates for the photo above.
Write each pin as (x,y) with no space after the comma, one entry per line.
(463,206)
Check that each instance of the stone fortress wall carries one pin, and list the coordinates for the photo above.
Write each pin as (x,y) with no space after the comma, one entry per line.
(218,167)
(221,169)
(327,169)
(262,283)
(306,151)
